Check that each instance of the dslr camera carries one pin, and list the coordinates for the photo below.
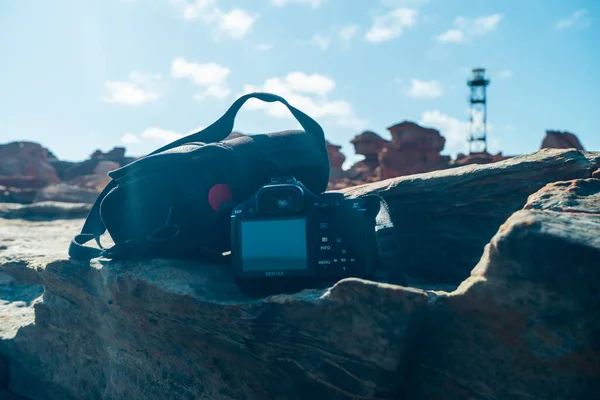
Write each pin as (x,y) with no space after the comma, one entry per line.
(285,231)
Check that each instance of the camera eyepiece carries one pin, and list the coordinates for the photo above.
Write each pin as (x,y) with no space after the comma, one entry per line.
(284,198)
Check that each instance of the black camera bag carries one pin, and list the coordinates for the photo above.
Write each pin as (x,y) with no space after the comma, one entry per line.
(176,201)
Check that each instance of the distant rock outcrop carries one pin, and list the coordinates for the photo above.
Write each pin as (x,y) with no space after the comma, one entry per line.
(561,140)
(368,144)
(478,158)
(336,161)
(413,149)
(27,161)
(73,171)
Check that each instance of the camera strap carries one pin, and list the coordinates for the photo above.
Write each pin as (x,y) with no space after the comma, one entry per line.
(388,247)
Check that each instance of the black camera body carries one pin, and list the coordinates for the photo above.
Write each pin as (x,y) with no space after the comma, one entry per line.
(285,231)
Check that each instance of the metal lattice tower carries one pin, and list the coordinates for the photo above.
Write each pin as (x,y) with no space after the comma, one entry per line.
(478,113)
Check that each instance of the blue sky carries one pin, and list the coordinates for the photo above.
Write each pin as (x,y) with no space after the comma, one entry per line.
(78,75)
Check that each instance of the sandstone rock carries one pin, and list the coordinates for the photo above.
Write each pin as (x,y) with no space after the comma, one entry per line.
(168,329)
(26,159)
(104,167)
(447,217)
(22,182)
(98,179)
(413,149)
(66,193)
(16,195)
(368,144)
(561,140)
(336,161)
(87,167)
(44,211)
(478,158)
(525,325)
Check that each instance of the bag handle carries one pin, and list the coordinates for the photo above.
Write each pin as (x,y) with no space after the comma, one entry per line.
(222,127)
(94,227)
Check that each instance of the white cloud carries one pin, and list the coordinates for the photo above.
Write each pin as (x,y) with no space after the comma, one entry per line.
(344,35)
(153,134)
(309,93)
(322,42)
(264,47)
(424,89)
(572,20)
(454,130)
(159,135)
(194,9)
(505,74)
(211,77)
(481,25)
(313,83)
(200,74)
(451,36)
(466,28)
(398,3)
(347,33)
(139,88)
(390,25)
(235,23)
(130,138)
(218,92)
(313,3)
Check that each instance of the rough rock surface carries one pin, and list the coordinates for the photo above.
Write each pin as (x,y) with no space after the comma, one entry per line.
(178,330)
(413,149)
(17,195)
(478,158)
(22,182)
(447,217)
(526,324)
(66,193)
(561,140)
(47,210)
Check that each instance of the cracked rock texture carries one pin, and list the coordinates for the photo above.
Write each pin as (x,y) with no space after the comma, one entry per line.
(447,217)
(524,325)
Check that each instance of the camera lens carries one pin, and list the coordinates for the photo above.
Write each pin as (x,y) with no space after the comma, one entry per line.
(280,201)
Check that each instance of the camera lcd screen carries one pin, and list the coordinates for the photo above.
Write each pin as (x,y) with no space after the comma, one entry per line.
(274,245)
